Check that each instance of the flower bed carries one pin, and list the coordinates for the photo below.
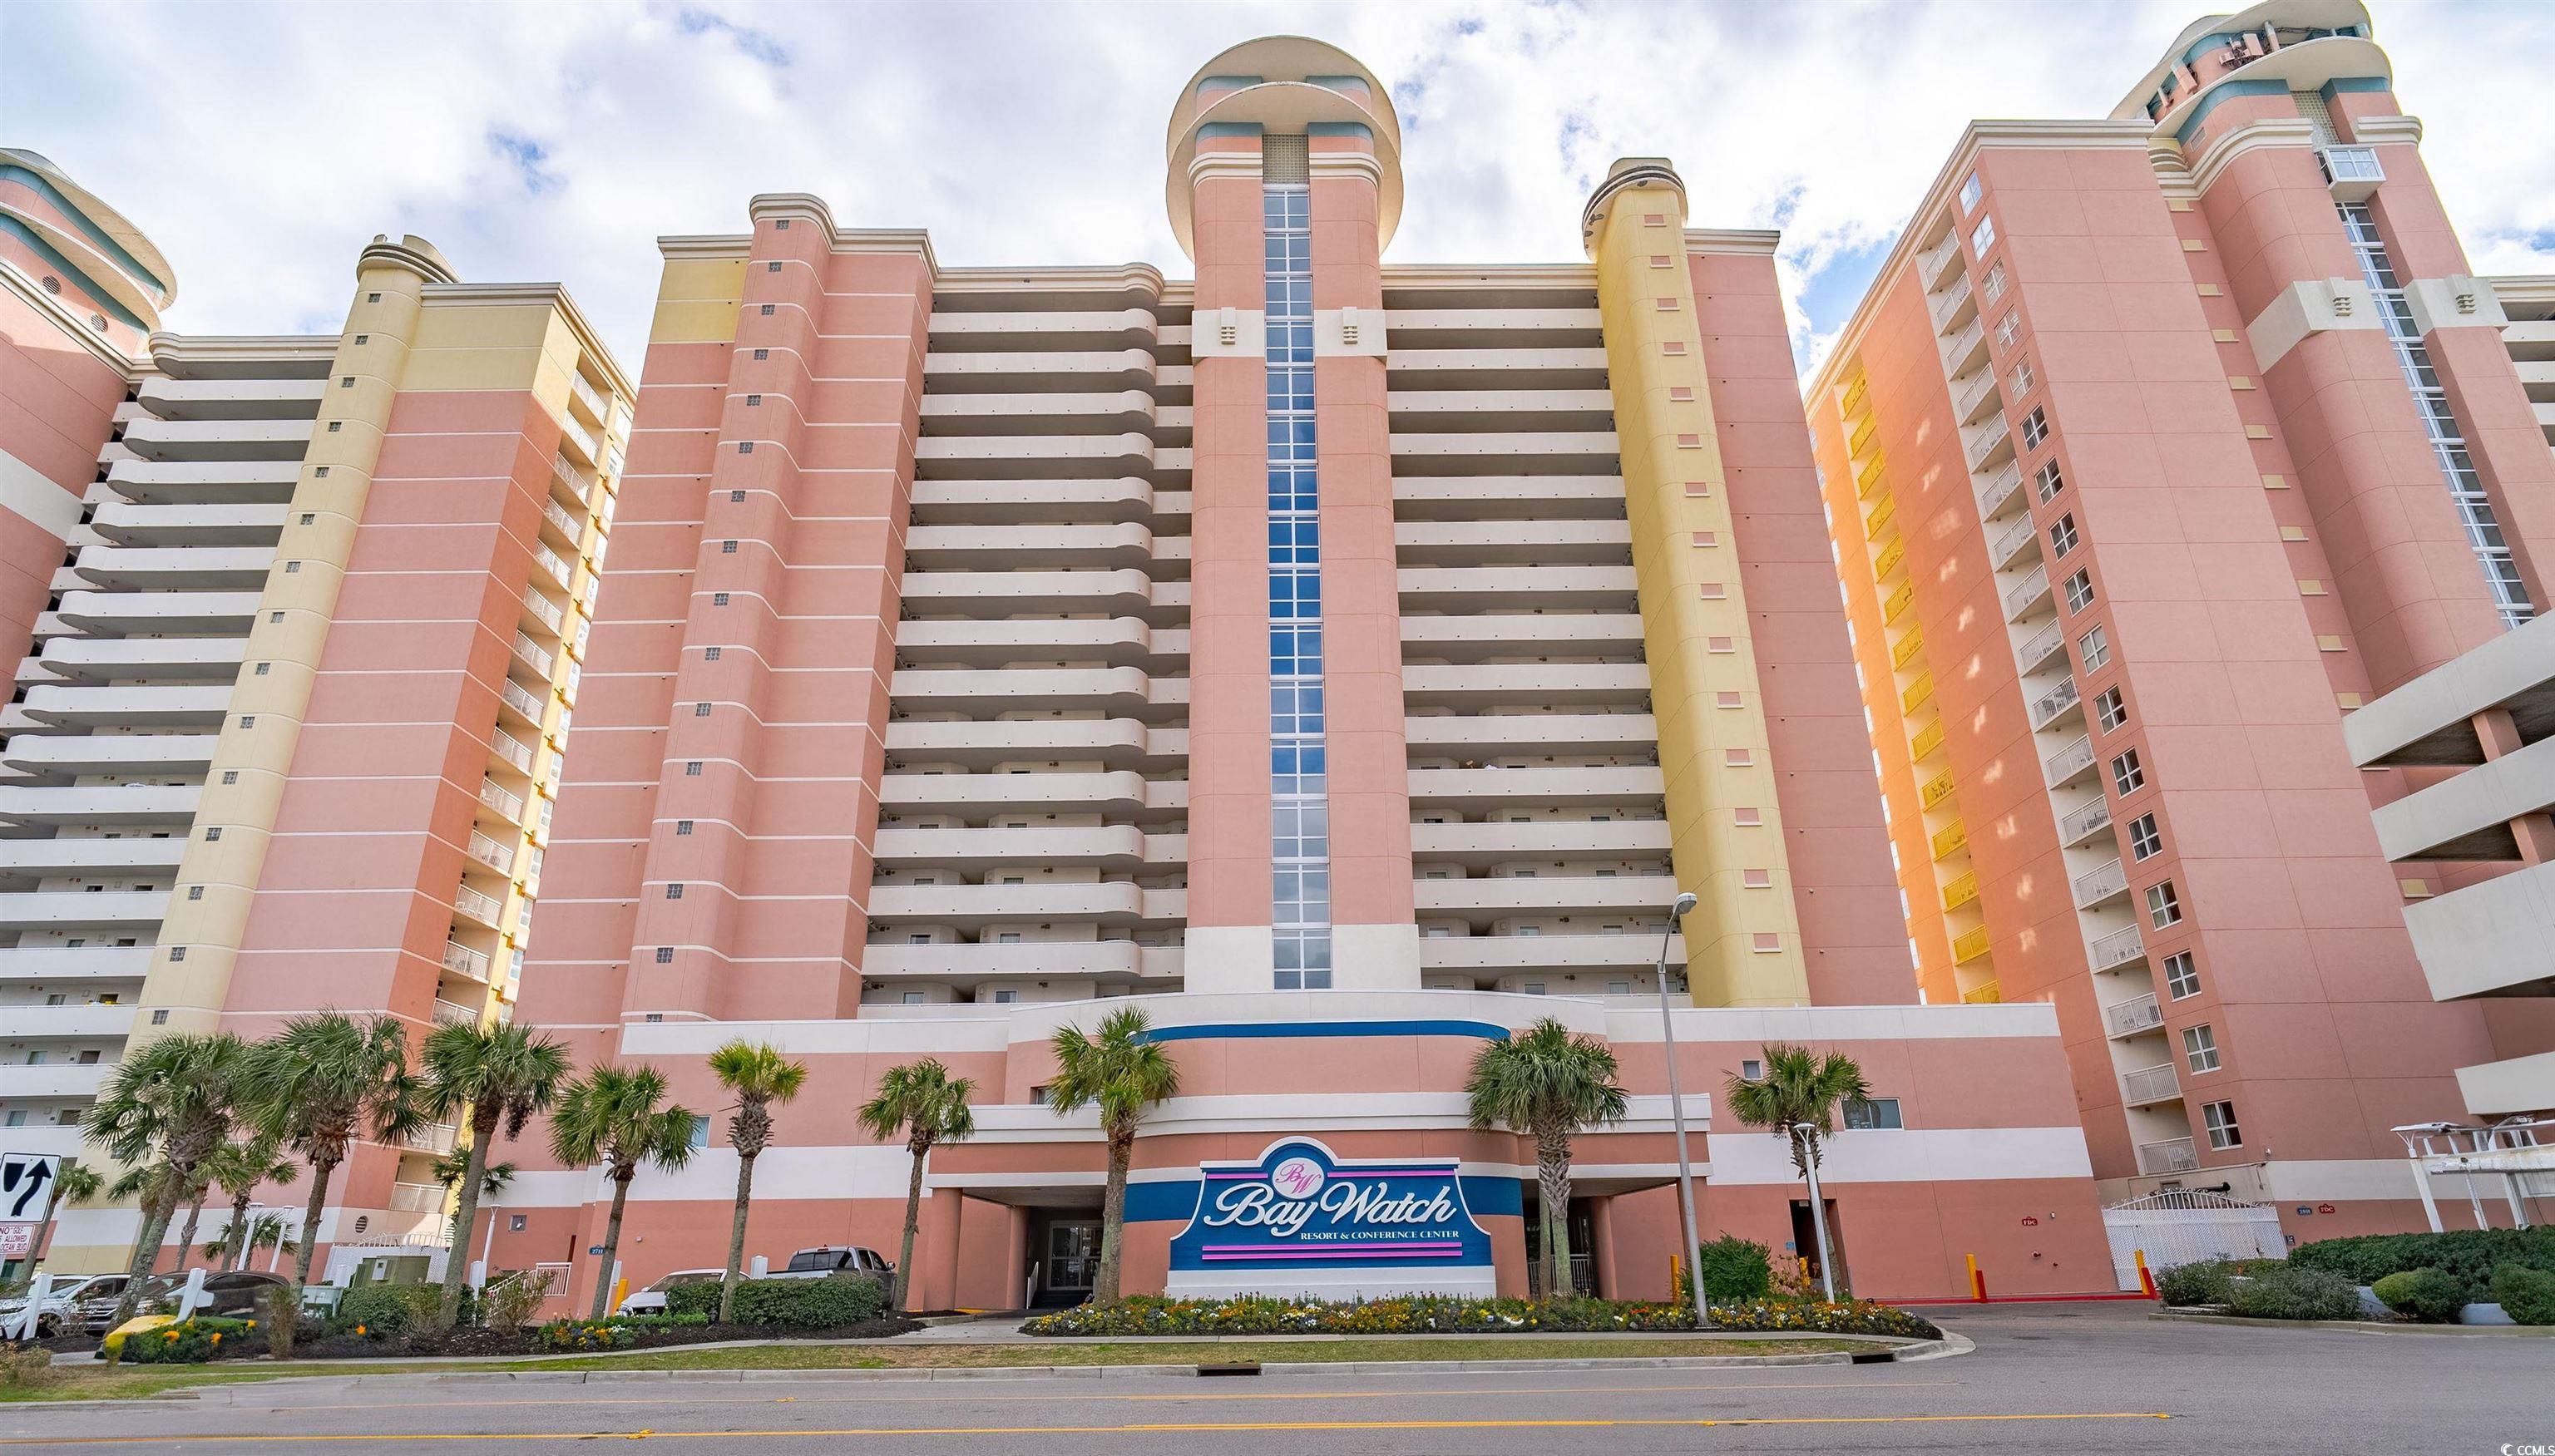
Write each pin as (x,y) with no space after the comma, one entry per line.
(1424,1314)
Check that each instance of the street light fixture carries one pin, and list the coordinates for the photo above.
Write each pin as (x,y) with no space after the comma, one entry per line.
(1808,1133)
(1684,906)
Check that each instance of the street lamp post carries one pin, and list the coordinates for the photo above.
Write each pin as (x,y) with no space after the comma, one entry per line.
(1685,904)
(1808,1133)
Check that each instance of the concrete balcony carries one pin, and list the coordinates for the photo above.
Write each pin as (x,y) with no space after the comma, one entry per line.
(116,804)
(455,1014)
(75,963)
(2140,1016)
(1428,411)
(1476,791)
(1508,497)
(205,483)
(1987,444)
(104,911)
(1531,369)
(1502,954)
(2100,885)
(1472,638)
(1560,684)
(108,658)
(966,963)
(1033,458)
(217,439)
(1118,794)
(1973,394)
(505,803)
(2011,542)
(122,613)
(2027,595)
(1012,502)
(1511,896)
(478,907)
(1514,588)
(2171,1155)
(1953,304)
(1475,328)
(418,1197)
(2495,937)
(126,707)
(434,1139)
(91,1021)
(494,854)
(462,961)
(136,754)
(130,524)
(55,1081)
(1042,544)
(2002,492)
(234,398)
(23,861)
(1565,451)
(2041,645)
(1104,846)
(1117,742)
(174,568)
(2059,702)
(972,908)
(994,594)
(1966,350)
(2069,764)
(1478,846)
(1501,734)
(1930,265)
(1127,693)
(1600,542)
(1099,328)
(2148,1086)
(1118,641)
(946,371)
(2083,822)
(2110,952)
(980,417)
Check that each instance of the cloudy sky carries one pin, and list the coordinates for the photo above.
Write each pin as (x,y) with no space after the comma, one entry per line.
(259,145)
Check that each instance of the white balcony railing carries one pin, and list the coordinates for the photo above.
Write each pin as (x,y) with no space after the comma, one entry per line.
(1980,444)
(2068,762)
(2010,542)
(506,747)
(454,1014)
(2040,646)
(2172,1155)
(503,801)
(1944,304)
(416,1197)
(535,656)
(592,397)
(521,699)
(1961,345)
(489,852)
(2020,597)
(2133,1016)
(548,560)
(2080,824)
(2149,1084)
(1967,392)
(2047,708)
(543,610)
(2001,490)
(557,514)
(2119,948)
(2099,884)
(1930,265)
(478,905)
(462,960)
(434,1138)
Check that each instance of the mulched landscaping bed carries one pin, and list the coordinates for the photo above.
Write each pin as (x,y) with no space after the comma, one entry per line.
(526,1341)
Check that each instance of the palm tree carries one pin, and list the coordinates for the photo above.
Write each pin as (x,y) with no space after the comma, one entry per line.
(923,1103)
(241,1169)
(498,1076)
(323,1081)
(760,1076)
(74,1182)
(452,1168)
(1799,1086)
(1548,1084)
(173,1098)
(612,1116)
(1122,1071)
(267,1231)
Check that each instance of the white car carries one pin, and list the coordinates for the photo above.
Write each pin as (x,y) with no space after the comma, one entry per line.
(827,1260)
(58,1303)
(651,1299)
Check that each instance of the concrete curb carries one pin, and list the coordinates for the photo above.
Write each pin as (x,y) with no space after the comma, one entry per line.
(2364,1326)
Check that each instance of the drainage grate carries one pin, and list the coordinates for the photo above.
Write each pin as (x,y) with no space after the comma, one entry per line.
(1243,1367)
(1874,1357)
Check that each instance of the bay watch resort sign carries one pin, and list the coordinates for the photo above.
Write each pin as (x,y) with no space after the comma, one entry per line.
(1300,1220)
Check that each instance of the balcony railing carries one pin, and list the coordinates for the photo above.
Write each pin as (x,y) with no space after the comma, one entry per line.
(1867,479)
(2026,593)
(1947,302)
(578,480)
(1863,434)
(2047,708)
(503,801)
(1980,444)
(1961,890)
(575,429)
(1936,790)
(1962,345)
(2001,490)
(1966,393)
(1887,561)
(2119,948)
(454,1014)
(2080,824)
(521,699)
(2010,542)
(2102,883)
(1930,265)
(462,960)
(1908,646)
(594,399)
(2172,1155)
(2064,765)
(416,1197)
(2133,1016)
(2040,646)
(543,610)
(1899,602)
(549,562)
(1969,946)
(535,656)
(1916,694)
(1927,739)
(478,905)
(557,514)
(1951,839)
(434,1138)
(505,746)
(1987,993)
(1855,396)
(2149,1084)
(489,852)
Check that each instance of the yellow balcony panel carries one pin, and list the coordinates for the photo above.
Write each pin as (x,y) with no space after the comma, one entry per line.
(1899,603)
(1951,839)
(1879,520)
(1982,995)
(1968,946)
(1962,891)
(1907,647)
(1867,479)
(1863,434)
(1857,395)
(1937,788)
(1927,740)
(1887,560)
(1917,694)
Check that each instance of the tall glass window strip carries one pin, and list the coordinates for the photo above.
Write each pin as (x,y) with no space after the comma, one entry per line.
(1299,809)
(2448,438)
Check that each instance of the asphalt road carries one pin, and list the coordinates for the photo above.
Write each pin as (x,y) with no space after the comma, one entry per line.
(2044,1379)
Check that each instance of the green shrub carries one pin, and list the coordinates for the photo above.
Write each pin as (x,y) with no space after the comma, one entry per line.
(2296,1294)
(1262,1314)
(188,1341)
(2469,1256)
(385,1311)
(509,1299)
(2527,1294)
(807,1304)
(2429,1295)
(1735,1268)
(2203,1282)
(579,1334)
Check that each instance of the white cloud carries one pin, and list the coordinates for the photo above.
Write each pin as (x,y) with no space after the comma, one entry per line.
(261,145)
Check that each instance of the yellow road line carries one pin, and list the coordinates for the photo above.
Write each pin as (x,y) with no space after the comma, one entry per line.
(1138,1429)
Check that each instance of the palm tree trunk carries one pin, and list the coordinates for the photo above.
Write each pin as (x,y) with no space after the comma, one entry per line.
(1113,1216)
(1552,1172)
(146,1253)
(235,1241)
(194,1217)
(735,1236)
(913,1216)
(612,1239)
(45,1225)
(321,1170)
(475,1170)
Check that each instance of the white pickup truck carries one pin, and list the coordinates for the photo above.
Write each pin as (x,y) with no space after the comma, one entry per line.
(827,1260)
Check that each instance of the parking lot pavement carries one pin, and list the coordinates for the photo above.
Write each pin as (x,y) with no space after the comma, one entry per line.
(2045,1378)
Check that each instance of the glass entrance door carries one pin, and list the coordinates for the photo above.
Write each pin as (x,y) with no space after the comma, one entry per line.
(1072,1260)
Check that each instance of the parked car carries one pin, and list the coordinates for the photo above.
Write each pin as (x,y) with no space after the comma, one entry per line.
(236,1295)
(58,1302)
(835,1258)
(651,1299)
(95,1306)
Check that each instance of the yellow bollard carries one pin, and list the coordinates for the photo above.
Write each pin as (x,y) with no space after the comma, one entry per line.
(620,1292)
(1977,1280)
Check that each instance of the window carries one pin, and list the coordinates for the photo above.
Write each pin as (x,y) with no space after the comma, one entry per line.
(2145,842)
(665,955)
(718,599)
(701,710)
(691,767)
(194,892)
(1983,236)
(763,353)
(1752,1069)
(914,997)
(682,826)
(673,891)
(1003,995)
(2008,329)
(2093,649)
(1619,987)
(1534,988)
(1970,190)
(736,496)
(2036,428)
(1038,1097)
(2128,775)
(2200,1049)
(727,548)
(1993,287)
(2181,975)
(2220,1119)
(209,834)
(516,1222)
(917,937)
(2164,908)
(265,668)
(1876,1114)
(701,1135)
(2062,534)
(2022,380)
(710,654)
(1006,937)
(158,1018)
(2080,590)
(767,310)
(2110,710)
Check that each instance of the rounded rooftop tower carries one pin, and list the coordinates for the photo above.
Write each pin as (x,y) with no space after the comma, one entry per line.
(1283,84)
(83,254)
